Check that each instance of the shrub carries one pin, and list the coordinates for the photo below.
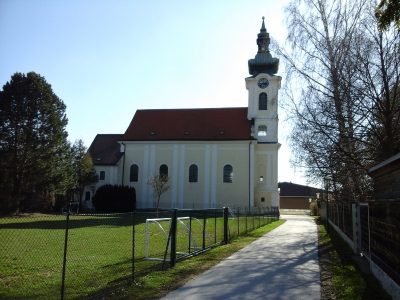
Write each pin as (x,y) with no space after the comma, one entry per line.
(114,198)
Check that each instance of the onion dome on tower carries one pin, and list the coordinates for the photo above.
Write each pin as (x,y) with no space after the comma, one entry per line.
(263,62)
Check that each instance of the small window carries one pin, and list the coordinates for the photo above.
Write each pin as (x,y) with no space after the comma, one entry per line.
(163,170)
(262,199)
(193,173)
(102,175)
(134,173)
(87,196)
(263,101)
(228,173)
(262,130)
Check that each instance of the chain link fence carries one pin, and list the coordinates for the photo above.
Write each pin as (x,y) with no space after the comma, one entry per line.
(31,255)
(90,255)
(244,220)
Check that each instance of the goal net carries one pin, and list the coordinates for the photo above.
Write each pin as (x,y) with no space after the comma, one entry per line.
(158,242)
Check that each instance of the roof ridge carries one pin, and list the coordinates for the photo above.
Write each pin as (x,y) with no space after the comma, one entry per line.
(193,108)
(110,134)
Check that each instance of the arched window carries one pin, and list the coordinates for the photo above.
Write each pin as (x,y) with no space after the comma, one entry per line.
(163,170)
(228,173)
(262,130)
(193,173)
(263,101)
(134,173)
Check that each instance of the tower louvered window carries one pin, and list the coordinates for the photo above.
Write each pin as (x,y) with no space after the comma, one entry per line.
(263,101)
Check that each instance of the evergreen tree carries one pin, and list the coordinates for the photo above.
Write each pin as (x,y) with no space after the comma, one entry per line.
(34,151)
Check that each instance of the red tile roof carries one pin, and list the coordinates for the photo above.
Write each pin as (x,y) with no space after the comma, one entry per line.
(202,124)
(105,149)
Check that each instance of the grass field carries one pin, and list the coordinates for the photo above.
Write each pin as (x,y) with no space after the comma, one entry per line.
(99,251)
(31,253)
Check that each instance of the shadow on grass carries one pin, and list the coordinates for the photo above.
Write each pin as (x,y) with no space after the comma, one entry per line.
(75,221)
(60,223)
(80,221)
(119,287)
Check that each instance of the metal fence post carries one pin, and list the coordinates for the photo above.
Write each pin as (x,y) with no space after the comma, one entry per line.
(225,225)
(173,238)
(204,230)
(238,222)
(245,213)
(215,226)
(133,246)
(65,256)
(253,220)
(190,231)
(369,233)
(354,220)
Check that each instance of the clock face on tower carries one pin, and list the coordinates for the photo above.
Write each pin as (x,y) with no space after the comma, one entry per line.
(263,83)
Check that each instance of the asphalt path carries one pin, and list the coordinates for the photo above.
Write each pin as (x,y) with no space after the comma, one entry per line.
(283,264)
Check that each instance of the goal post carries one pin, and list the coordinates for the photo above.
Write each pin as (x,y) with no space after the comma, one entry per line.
(157,228)
(157,232)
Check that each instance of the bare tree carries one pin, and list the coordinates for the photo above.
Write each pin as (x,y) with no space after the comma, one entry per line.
(321,34)
(378,84)
(160,184)
(346,109)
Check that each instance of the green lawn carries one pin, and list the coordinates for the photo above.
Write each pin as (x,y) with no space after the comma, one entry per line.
(99,251)
(31,255)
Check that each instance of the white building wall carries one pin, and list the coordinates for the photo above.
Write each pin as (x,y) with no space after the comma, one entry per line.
(266,167)
(210,158)
(248,159)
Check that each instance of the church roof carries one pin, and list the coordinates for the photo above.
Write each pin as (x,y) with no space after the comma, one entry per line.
(202,124)
(105,149)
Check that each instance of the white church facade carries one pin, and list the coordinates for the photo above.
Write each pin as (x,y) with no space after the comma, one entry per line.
(214,157)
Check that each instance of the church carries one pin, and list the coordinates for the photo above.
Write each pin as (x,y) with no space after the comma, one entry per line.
(213,157)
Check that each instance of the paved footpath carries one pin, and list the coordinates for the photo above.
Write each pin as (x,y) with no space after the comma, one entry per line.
(282,264)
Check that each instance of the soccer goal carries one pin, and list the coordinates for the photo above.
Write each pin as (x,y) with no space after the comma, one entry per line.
(157,240)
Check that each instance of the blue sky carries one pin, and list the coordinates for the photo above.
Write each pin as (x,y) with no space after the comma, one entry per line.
(106,59)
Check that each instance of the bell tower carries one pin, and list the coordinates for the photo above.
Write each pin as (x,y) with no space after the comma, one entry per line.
(263,86)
